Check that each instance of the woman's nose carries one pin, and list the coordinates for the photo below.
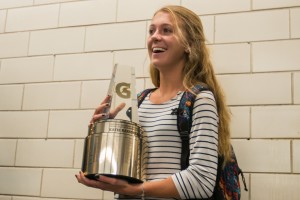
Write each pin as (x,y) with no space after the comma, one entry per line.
(156,36)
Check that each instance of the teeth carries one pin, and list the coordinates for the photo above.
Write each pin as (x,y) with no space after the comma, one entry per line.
(158,49)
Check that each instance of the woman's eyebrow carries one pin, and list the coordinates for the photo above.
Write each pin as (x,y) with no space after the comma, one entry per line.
(164,24)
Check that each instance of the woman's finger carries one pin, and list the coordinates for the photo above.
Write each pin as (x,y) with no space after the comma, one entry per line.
(102,110)
(110,184)
(103,183)
(88,182)
(104,104)
(114,112)
(112,181)
(97,117)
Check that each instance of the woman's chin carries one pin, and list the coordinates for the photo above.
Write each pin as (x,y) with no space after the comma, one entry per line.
(157,63)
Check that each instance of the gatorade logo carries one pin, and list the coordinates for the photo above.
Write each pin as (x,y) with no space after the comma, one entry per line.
(123,90)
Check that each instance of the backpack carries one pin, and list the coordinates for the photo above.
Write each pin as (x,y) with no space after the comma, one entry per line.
(227,182)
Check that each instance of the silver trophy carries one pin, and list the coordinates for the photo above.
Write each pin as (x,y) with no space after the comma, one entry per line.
(116,147)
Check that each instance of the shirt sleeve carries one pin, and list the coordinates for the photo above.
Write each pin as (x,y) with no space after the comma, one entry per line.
(199,179)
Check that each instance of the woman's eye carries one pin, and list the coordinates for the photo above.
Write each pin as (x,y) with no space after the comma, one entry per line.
(161,31)
(167,30)
(151,31)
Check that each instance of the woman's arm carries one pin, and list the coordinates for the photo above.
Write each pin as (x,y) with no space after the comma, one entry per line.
(164,188)
(199,179)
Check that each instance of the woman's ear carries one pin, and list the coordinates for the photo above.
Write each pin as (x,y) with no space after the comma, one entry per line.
(187,50)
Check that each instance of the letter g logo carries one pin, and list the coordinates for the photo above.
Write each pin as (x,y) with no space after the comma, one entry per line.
(123,90)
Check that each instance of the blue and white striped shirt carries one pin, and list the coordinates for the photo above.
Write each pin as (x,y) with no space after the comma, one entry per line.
(164,145)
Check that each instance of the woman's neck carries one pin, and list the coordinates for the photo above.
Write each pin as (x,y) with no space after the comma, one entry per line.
(170,81)
(170,85)
(167,87)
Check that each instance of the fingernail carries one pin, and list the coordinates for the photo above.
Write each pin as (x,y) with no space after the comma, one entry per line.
(107,105)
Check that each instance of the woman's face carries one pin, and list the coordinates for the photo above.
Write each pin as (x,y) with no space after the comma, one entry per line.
(164,48)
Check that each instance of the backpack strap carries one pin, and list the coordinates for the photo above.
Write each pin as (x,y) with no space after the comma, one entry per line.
(184,121)
(142,95)
(240,172)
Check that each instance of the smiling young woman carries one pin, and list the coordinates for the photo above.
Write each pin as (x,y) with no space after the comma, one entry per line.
(165,50)
(179,60)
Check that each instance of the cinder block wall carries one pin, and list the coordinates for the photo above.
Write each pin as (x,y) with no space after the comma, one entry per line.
(56,58)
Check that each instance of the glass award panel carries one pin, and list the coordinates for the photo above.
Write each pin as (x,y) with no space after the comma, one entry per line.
(122,90)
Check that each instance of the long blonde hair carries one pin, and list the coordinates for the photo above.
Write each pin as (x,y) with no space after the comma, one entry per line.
(198,68)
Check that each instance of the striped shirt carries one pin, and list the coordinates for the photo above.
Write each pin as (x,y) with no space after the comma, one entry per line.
(164,145)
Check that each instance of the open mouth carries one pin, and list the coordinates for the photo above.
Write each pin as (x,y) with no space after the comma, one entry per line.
(158,50)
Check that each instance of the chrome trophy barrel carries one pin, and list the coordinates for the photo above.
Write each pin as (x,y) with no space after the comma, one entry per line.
(115,148)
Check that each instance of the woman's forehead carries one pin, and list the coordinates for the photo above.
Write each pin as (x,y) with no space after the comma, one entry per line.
(162,18)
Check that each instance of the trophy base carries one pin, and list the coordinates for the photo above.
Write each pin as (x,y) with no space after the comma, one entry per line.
(126,178)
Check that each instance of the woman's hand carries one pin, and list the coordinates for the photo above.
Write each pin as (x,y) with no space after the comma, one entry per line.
(111,184)
(101,113)
(106,183)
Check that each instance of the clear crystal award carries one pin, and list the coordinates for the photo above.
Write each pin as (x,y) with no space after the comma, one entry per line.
(116,147)
(122,90)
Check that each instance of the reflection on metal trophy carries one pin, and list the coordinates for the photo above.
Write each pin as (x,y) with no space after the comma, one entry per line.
(116,147)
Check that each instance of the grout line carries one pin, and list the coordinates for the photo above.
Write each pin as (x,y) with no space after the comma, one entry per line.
(84,41)
(41,183)
(5,21)
(23,95)
(59,15)
(250,122)
(16,149)
(292,89)
(290,24)
(28,44)
(215,31)
(251,57)
(146,35)
(74,152)
(48,124)
(114,58)
(117,6)
(291,155)
(53,67)
(249,187)
(80,96)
